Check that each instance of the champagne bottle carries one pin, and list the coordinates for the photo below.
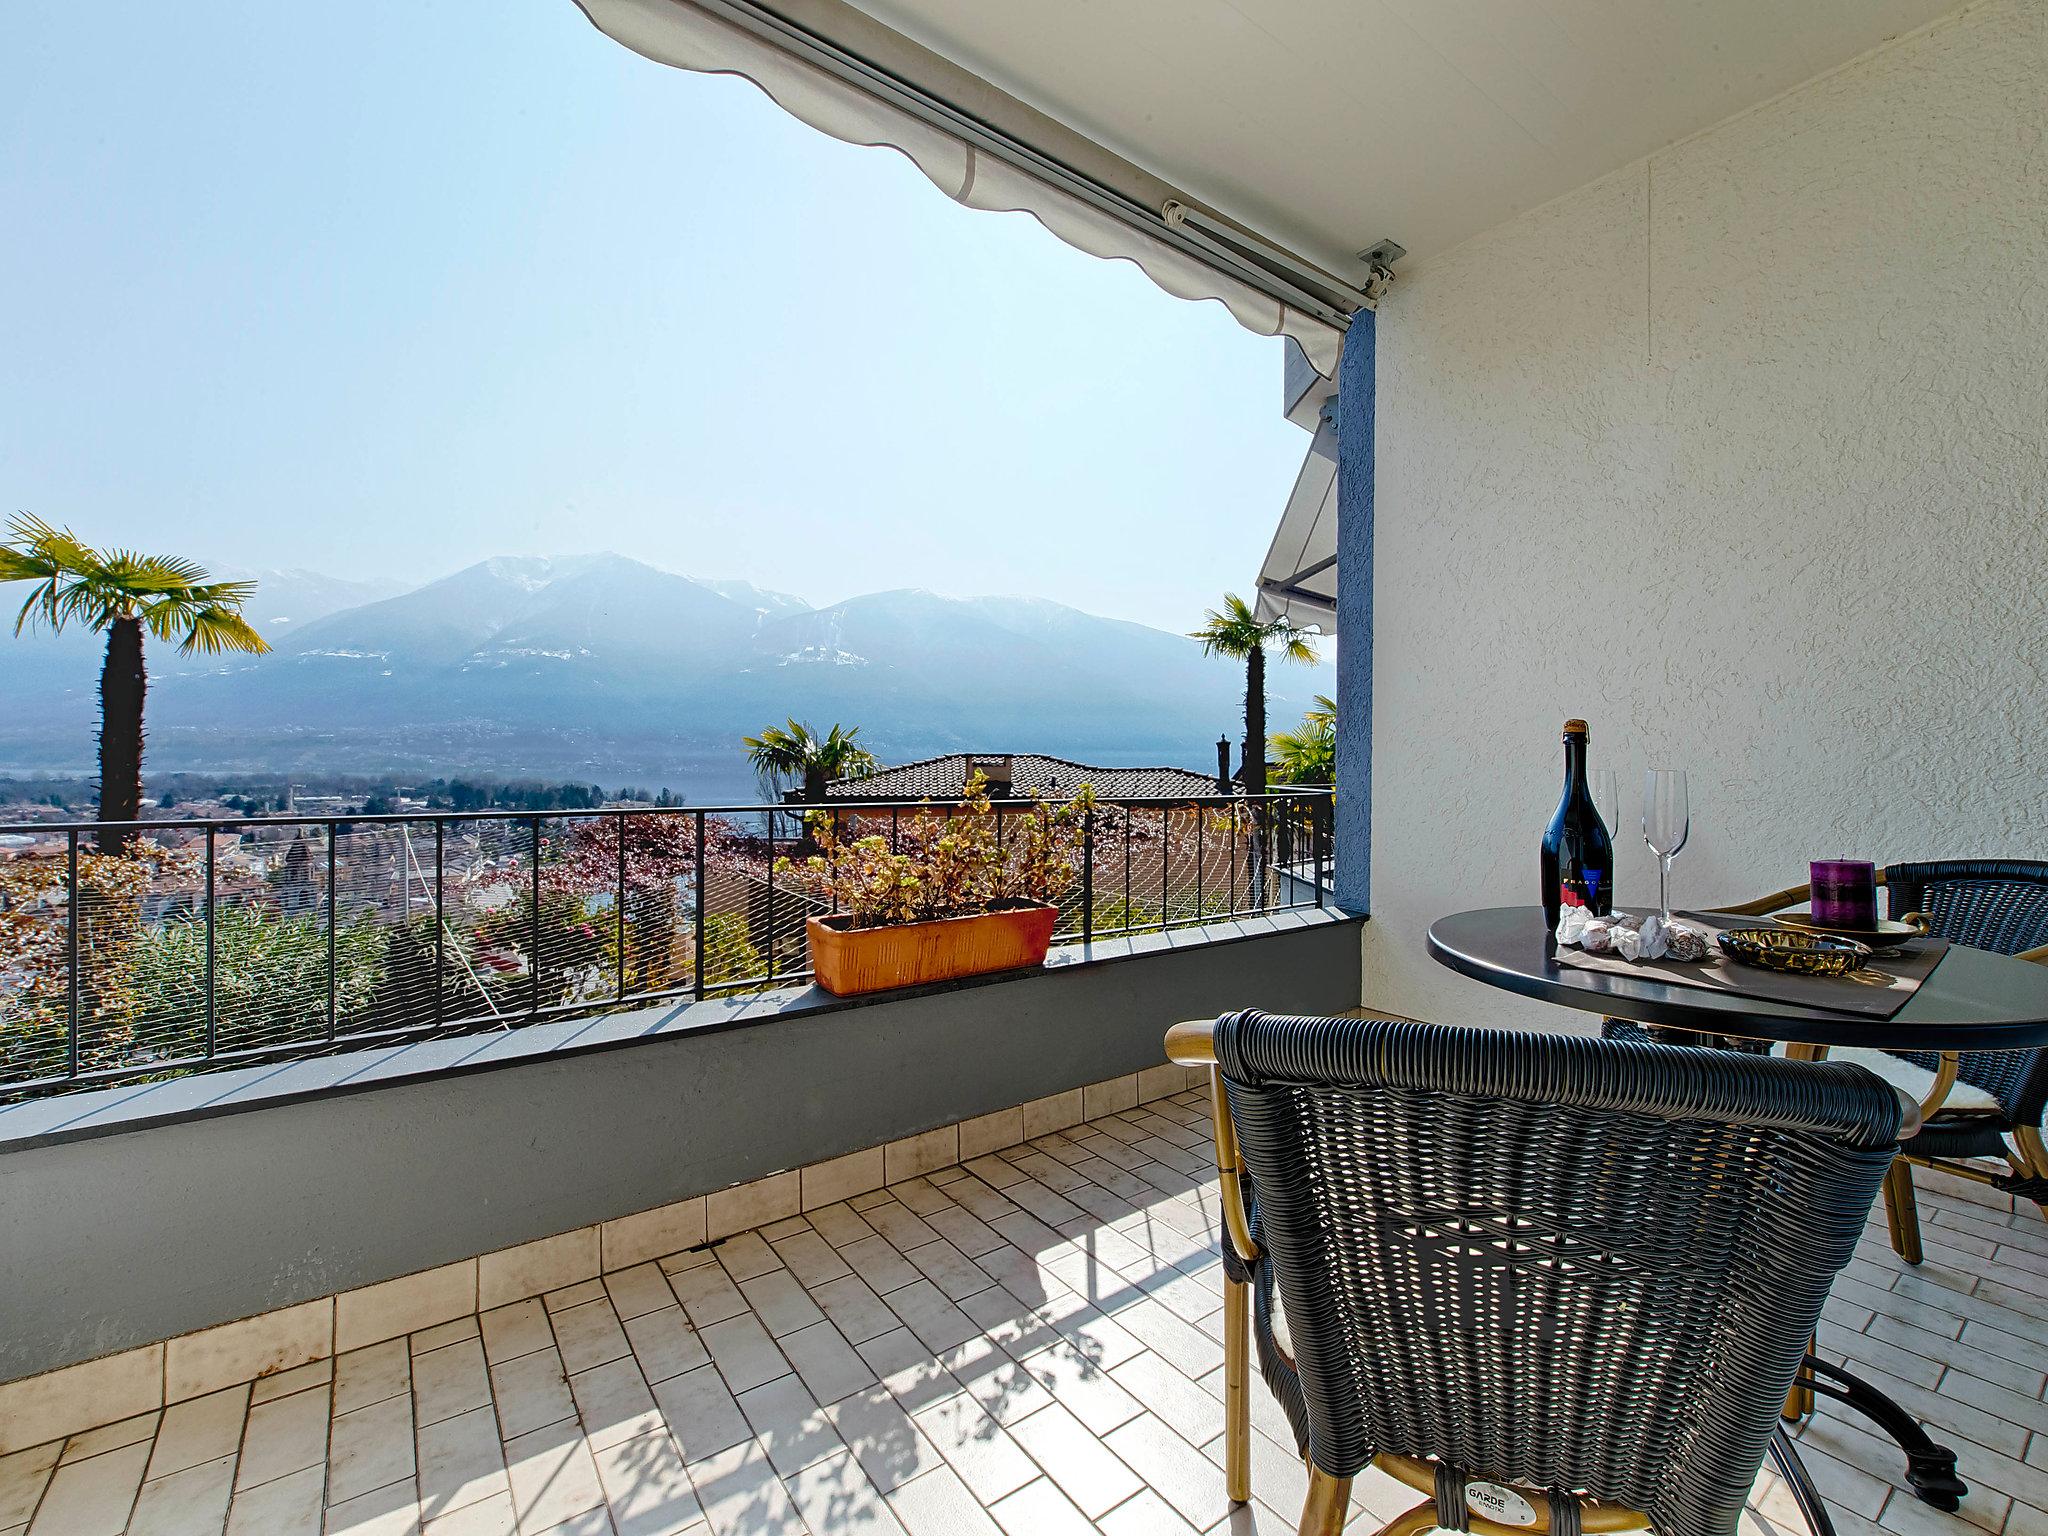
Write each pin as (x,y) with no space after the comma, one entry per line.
(1578,854)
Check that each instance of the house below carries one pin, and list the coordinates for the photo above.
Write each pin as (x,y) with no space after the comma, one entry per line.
(1020,775)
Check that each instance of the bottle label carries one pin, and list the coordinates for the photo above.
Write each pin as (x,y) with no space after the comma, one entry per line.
(1581,890)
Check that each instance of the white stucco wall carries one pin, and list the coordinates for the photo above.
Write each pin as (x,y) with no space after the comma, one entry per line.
(1742,454)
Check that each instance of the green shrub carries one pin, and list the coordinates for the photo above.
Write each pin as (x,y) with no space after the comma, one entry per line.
(729,952)
(270,980)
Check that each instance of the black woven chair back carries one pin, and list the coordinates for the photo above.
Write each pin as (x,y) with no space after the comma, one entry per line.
(1585,1265)
(1995,904)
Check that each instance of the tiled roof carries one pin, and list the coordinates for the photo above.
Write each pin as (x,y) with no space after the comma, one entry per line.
(1031,773)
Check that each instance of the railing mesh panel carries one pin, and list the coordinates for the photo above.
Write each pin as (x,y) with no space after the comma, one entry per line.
(185,944)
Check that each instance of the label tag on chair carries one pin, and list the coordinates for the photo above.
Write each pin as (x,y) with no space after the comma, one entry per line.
(1504,1506)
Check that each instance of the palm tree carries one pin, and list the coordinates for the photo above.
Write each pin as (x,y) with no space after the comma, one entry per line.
(1308,755)
(783,753)
(123,593)
(1237,632)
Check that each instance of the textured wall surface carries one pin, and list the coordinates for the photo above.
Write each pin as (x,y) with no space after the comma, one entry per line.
(1742,454)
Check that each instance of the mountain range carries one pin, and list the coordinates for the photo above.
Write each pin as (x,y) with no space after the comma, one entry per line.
(604,668)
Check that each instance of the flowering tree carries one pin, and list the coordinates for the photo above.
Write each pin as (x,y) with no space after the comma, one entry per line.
(35,918)
(656,854)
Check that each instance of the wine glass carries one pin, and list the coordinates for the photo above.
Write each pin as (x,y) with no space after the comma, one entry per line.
(1667,822)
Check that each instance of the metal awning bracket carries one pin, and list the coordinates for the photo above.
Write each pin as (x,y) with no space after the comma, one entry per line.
(1379,259)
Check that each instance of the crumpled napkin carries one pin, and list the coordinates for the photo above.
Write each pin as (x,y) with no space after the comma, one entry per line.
(1648,937)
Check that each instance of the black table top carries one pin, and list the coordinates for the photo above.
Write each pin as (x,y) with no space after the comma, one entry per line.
(1972,1000)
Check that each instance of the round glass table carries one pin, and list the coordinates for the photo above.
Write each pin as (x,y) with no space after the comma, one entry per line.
(1971,1000)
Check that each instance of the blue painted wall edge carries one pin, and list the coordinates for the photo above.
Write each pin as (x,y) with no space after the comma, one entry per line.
(1356,387)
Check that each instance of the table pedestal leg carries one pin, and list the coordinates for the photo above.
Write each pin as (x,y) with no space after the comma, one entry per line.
(1785,1457)
(1930,1468)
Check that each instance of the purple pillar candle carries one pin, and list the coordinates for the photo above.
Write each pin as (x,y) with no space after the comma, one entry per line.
(1844,893)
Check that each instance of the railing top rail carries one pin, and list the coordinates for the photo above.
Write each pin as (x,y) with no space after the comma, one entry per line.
(402,818)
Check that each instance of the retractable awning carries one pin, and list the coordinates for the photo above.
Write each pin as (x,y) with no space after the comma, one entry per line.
(845,74)
(1298,582)
(1256,155)
(1298,133)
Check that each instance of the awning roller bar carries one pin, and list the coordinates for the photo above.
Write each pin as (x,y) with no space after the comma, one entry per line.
(1219,244)
(1227,242)
(1160,223)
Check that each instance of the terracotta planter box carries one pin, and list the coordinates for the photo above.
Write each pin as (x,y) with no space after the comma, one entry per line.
(849,961)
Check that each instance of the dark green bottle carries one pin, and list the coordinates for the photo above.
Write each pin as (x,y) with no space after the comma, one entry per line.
(1578,854)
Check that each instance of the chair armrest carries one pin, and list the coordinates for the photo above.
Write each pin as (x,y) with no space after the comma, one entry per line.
(1912,1119)
(1763,905)
(2038,954)
(1193,1044)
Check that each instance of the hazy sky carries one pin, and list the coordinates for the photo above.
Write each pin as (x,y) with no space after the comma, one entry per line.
(387,286)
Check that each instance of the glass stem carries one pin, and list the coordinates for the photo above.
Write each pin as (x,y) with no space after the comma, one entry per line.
(1664,885)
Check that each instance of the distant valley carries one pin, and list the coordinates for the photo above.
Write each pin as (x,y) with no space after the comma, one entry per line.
(604,668)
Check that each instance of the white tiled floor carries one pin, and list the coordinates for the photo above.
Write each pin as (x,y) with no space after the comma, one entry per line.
(1024,1346)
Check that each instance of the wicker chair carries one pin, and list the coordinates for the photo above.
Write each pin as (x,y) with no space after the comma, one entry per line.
(1558,1284)
(1975,1101)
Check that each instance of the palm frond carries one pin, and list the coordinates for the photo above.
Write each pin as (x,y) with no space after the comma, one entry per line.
(783,749)
(1308,755)
(48,556)
(59,548)
(96,587)
(25,563)
(40,600)
(145,574)
(214,628)
(795,749)
(1235,630)
(839,754)
(19,565)
(90,600)
(217,594)
(1232,630)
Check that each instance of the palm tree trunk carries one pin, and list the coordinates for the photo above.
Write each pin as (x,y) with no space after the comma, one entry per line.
(122,685)
(814,794)
(1255,722)
(1255,768)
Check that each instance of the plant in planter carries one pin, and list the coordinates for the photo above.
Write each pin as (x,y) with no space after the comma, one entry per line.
(952,898)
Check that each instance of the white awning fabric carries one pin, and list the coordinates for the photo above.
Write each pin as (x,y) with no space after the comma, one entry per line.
(693,36)
(1299,579)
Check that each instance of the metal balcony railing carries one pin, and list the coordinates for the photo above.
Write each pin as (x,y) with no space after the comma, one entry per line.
(210,943)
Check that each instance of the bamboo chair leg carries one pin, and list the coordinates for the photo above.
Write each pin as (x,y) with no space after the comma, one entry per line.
(1799,1401)
(2034,1150)
(1322,1514)
(1902,1211)
(1421,1518)
(1237,1399)
(1891,1215)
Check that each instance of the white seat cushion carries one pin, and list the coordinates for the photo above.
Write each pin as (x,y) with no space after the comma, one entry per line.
(1916,1082)
(1281,1336)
